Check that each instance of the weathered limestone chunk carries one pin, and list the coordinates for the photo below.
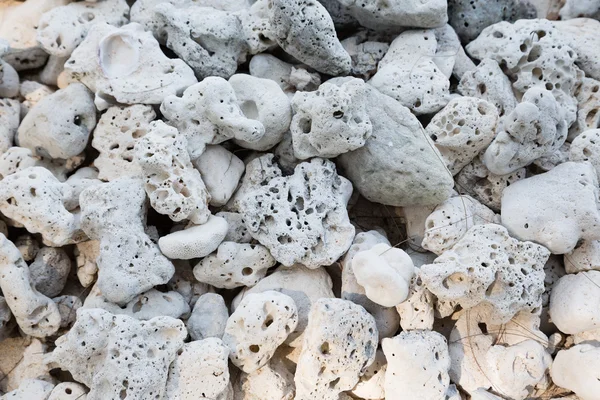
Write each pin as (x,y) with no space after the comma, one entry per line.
(174,186)
(50,270)
(259,324)
(574,302)
(125,65)
(331,120)
(418,364)
(462,129)
(35,313)
(221,171)
(67,126)
(489,270)
(118,356)
(535,128)
(448,223)
(300,218)
(209,113)
(555,209)
(34,198)
(398,165)
(62,29)
(129,262)
(576,369)
(199,371)
(339,344)
(304,285)
(304,29)
(234,265)
(118,130)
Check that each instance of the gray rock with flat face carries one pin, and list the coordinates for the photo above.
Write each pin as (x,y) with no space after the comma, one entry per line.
(394,14)
(304,29)
(399,164)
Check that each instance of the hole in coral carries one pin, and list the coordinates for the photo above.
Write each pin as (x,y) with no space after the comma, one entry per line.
(254,348)
(305,125)
(247,271)
(249,109)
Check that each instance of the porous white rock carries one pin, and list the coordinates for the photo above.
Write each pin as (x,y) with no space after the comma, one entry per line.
(119,356)
(511,370)
(296,25)
(300,218)
(417,312)
(210,41)
(386,318)
(18,31)
(536,127)
(68,391)
(264,101)
(221,171)
(488,82)
(129,262)
(581,35)
(331,120)
(199,371)
(208,318)
(339,344)
(304,285)
(574,302)
(462,129)
(489,270)
(289,77)
(584,257)
(371,382)
(144,307)
(115,136)
(588,107)
(61,29)
(586,147)
(417,366)
(50,270)
(19,158)
(534,54)
(256,28)
(30,389)
(234,265)
(555,209)
(9,122)
(174,186)
(448,223)
(68,123)
(477,181)
(35,198)
(209,113)
(259,324)
(125,65)
(398,165)
(273,381)
(409,72)
(397,14)
(9,80)
(35,313)
(385,273)
(576,369)
(195,241)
